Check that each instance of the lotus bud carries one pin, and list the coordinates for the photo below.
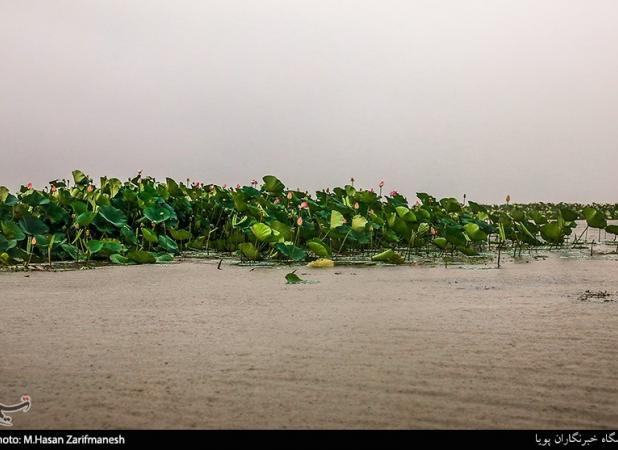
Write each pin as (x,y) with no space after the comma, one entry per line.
(381,184)
(87,232)
(29,186)
(356,205)
(33,241)
(508,199)
(304,205)
(276,201)
(289,195)
(89,188)
(299,221)
(393,193)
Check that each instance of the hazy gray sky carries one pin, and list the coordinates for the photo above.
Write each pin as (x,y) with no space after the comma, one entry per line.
(449,97)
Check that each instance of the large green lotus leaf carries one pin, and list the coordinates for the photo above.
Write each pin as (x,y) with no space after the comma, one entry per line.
(180,235)
(142,257)
(113,215)
(595,218)
(468,251)
(518,214)
(454,235)
(423,214)
(111,246)
(114,185)
(6,244)
(79,207)
(552,232)
(72,251)
(389,256)
(164,258)
(261,231)
(613,229)
(405,213)
(538,218)
(5,258)
(440,242)
(273,185)
(423,228)
(366,197)
(474,232)
(103,225)
(80,178)
(94,246)
(358,223)
(55,214)
(284,229)
(119,259)
(318,247)
(249,250)
(336,219)
(128,235)
(167,243)
(4,194)
(12,231)
(290,251)
(31,225)
(150,235)
(450,204)
(85,218)
(157,213)
(568,214)
(35,198)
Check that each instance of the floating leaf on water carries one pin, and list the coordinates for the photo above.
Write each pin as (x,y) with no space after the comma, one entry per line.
(292,278)
(321,263)
(388,256)
(119,259)
(142,257)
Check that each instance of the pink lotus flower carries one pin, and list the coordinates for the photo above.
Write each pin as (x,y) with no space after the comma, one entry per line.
(29,186)
(418,203)
(381,184)
(299,221)
(393,193)
(89,188)
(289,195)
(371,190)
(238,186)
(304,205)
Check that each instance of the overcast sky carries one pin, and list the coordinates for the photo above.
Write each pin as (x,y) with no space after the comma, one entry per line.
(486,98)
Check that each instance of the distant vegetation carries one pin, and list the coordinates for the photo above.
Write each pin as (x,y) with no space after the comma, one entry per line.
(145,221)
